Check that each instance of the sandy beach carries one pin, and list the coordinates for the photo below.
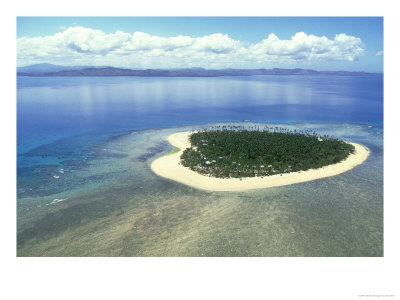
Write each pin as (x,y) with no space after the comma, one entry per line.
(169,167)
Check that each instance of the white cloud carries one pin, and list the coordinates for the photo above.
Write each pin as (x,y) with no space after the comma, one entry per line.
(379,53)
(303,47)
(216,43)
(80,45)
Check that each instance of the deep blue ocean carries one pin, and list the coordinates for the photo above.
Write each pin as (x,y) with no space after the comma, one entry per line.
(74,134)
(50,108)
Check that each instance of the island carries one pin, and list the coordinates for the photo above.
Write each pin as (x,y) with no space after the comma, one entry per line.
(232,158)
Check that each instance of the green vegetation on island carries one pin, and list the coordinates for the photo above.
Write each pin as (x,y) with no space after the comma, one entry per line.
(233,151)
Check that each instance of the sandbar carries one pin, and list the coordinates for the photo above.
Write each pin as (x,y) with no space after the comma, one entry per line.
(169,167)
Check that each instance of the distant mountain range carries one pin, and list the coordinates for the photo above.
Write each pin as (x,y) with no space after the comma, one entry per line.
(40,69)
(54,70)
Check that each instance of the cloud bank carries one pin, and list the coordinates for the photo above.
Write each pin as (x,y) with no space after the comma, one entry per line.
(80,45)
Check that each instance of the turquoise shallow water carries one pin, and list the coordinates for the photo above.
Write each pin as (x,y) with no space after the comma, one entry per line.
(84,186)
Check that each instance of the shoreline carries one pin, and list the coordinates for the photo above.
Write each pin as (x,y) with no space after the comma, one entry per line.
(168,166)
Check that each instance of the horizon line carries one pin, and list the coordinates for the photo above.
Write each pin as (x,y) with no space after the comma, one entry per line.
(82,67)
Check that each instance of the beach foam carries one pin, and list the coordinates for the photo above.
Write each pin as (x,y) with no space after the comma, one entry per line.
(169,167)
(56,201)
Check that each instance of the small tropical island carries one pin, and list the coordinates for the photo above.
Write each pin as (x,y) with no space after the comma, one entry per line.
(233,151)
(233,158)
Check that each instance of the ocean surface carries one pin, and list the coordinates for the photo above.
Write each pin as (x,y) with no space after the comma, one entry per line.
(85,187)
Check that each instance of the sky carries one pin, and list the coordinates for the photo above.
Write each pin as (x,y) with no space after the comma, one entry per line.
(319,43)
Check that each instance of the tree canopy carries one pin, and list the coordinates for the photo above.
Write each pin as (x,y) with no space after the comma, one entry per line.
(236,151)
